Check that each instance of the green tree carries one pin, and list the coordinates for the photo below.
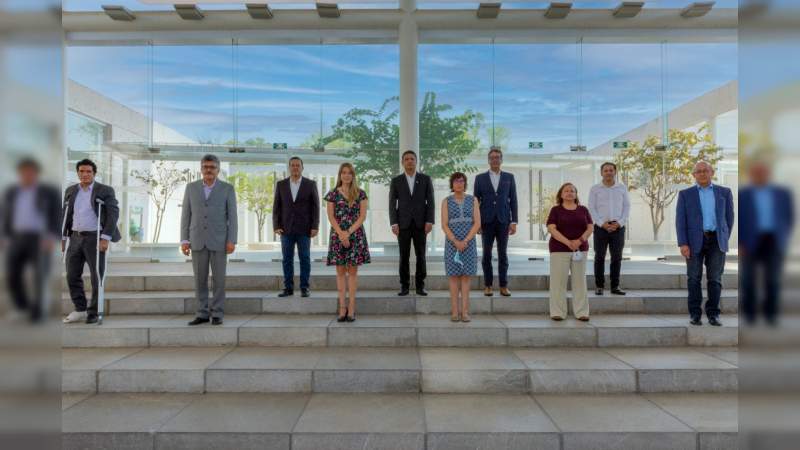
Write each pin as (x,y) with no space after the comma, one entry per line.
(161,180)
(256,191)
(657,174)
(445,142)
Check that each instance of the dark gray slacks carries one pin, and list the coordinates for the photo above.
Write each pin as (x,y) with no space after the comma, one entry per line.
(83,250)
(201,261)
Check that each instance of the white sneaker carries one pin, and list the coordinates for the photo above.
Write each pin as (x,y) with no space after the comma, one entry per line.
(75,316)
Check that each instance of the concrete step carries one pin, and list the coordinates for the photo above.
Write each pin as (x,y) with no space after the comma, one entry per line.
(399,370)
(622,330)
(523,275)
(399,421)
(649,301)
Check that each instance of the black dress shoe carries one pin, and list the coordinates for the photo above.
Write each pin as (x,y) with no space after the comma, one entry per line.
(286,293)
(198,321)
(617,291)
(91,318)
(714,321)
(305,293)
(598,291)
(403,292)
(216,321)
(696,321)
(421,291)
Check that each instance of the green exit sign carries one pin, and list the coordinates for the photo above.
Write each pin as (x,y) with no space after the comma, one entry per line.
(279,146)
(621,144)
(534,144)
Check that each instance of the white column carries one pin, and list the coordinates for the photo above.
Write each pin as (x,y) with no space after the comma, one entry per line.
(409,114)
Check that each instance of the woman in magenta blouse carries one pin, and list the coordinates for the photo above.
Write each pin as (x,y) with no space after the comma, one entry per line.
(570,225)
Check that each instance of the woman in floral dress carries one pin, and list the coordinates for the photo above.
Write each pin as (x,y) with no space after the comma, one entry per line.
(347,247)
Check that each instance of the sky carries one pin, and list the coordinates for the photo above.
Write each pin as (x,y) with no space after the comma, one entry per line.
(288,93)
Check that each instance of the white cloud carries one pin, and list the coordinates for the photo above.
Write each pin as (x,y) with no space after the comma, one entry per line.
(265,87)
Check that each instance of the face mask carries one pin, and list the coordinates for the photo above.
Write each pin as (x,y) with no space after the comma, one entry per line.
(457,259)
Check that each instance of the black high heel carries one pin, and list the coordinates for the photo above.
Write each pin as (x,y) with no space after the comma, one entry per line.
(343,317)
(350,318)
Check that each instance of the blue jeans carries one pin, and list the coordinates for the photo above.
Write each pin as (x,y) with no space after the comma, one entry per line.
(714,260)
(303,243)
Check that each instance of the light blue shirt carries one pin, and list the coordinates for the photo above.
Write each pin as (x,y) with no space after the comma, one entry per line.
(708,207)
(27,217)
(765,209)
(207,189)
(83,216)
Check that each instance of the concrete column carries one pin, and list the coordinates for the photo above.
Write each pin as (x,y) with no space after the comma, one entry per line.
(409,113)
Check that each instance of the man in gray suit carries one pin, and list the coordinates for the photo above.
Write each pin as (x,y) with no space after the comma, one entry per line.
(208,231)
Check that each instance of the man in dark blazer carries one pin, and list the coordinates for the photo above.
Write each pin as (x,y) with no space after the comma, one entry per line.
(704,220)
(83,202)
(497,193)
(766,219)
(30,229)
(295,217)
(411,214)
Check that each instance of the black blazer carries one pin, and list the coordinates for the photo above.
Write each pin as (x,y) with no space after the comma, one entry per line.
(406,210)
(108,222)
(296,216)
(46,202)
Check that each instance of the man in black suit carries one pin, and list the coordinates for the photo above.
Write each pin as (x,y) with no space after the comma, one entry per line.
(83,201)
(411,214)
(295,217)
(29,231)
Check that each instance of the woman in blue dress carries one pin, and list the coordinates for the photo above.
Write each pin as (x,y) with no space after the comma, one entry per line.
(461,221)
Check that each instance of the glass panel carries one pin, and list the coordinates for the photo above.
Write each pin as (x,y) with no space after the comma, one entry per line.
(455,100)
(193,94)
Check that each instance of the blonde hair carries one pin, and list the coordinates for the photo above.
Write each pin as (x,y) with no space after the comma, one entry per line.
(351,195)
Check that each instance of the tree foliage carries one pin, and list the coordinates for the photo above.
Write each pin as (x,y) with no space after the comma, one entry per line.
(658,175)
(374,138)
(161,180)
(256,191)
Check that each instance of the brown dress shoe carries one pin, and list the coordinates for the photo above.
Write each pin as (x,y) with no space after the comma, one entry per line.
(487,291)
(505,292)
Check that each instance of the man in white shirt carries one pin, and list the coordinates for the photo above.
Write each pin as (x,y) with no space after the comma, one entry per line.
(295,217)
(610,207)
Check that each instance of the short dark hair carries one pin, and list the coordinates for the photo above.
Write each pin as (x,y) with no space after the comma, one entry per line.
(29,163)
(293,158)
(408,152)
(455,176)
(495,149)
(608,163)
(210,158)
(86,162)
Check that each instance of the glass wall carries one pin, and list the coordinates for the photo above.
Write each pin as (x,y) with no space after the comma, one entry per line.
(152,111)
(147,113)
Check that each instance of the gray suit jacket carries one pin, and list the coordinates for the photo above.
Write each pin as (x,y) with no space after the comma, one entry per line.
(209,223)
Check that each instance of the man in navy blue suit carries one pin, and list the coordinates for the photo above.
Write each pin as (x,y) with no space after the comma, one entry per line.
(497,193)
(766,218)
(704,220)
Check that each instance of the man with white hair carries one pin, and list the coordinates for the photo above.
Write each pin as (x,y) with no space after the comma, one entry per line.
(704,220)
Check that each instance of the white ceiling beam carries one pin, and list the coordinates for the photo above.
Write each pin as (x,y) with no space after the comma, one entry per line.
(366,26)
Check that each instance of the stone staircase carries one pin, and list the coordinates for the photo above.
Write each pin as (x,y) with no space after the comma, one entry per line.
(283,374)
